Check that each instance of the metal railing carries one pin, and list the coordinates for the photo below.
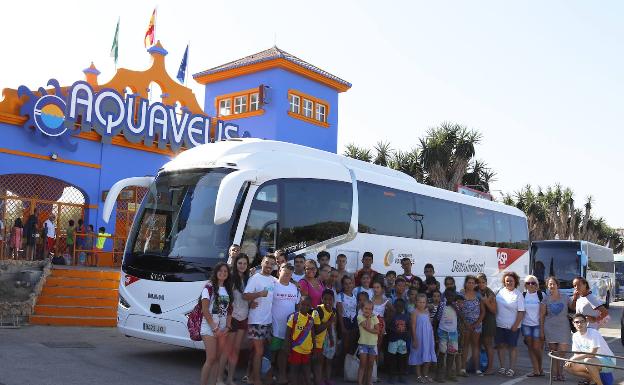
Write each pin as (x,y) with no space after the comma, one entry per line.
(553,357)
(88,247)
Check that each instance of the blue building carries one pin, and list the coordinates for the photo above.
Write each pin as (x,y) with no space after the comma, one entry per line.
(276,95)
(64,147)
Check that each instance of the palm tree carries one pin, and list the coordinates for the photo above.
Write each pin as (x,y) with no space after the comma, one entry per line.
(360,153)
(384,153)
(445,153)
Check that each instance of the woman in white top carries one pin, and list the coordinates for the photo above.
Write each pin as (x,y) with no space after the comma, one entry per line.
(240,310)
(533,324)
(509,315)
(346,306)
(584,302)
(382,309)
(216,320)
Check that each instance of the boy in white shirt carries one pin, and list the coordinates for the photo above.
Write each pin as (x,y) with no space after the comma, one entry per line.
(588,340)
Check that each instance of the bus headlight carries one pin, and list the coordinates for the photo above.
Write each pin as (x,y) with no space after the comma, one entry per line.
(123,303)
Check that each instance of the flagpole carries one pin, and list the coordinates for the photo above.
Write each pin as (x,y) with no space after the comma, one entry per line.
(119,25)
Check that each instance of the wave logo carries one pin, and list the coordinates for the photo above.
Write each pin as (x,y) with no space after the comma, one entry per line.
(388,257)
(46,114)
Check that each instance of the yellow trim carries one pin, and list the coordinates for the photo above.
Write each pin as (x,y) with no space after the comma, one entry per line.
(309,120)
(247,114)
(314,101)
(16,120)
(44,157)
(274,63)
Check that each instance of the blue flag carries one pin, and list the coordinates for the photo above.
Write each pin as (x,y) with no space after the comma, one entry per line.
(182,71)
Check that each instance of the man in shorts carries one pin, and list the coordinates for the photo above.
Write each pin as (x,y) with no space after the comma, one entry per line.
(259,290)
(285,299)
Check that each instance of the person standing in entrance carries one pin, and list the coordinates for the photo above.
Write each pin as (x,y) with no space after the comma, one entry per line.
(31,235)
(367,262)
(50,231)
(70,238)
(15,243)
(260,289)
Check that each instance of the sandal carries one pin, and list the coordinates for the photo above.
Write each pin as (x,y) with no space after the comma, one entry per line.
(510,373)
(429,379)
(420,380)
(245,380)
(502,371)
(532,375)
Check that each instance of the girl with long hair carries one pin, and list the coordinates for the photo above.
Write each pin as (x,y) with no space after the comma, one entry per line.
(240,310)
(473,311)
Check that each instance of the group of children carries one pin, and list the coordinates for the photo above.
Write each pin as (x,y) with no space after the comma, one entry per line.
(392,319)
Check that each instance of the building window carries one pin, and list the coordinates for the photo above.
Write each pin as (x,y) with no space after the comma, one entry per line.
(295,103)
(225,107)
(320,113)
(240,104)
(254,102)
(307,108)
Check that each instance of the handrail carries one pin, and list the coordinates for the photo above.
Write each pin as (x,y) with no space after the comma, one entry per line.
(553,357)
(115,251)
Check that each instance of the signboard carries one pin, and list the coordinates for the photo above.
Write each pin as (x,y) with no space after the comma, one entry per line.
(109,114)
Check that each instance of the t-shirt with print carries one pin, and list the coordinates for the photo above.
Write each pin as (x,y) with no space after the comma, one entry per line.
(219,303)
(592,339)
(297,277)
(349,305)
(323,314)
(302,344)
(261,314)
(587,306)
(532,309)
(398,327)
(366,337)
(285,298)
(448,319)
(508,304)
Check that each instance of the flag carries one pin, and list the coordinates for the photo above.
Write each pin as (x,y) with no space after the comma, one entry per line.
(183,64)
(150,34)
(114,53)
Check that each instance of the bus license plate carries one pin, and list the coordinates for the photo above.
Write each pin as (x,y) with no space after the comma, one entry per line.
(154,328)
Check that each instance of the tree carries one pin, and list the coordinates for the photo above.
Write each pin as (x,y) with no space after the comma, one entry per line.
(552,215)
(443,158)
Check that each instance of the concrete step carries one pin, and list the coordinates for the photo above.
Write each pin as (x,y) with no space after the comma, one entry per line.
(82,282)
(79,292)
(73,321)
(85,273)
(76,311)
(76,301)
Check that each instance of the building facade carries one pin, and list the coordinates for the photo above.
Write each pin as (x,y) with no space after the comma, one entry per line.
(65,146)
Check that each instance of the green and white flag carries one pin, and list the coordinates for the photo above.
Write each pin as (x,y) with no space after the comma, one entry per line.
(115,48)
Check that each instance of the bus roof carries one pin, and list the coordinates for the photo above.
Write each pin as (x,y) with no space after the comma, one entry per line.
(251,153)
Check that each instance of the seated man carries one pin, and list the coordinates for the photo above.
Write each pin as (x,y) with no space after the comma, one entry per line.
(588,340)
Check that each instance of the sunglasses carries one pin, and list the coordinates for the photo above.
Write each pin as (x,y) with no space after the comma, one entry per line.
(531,283)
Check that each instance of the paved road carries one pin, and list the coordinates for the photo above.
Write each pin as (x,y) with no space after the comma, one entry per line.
(66,356)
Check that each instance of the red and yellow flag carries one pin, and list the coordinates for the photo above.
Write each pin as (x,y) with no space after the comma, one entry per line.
(150,34)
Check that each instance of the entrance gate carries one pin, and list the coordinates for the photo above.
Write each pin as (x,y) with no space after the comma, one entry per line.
(21,194)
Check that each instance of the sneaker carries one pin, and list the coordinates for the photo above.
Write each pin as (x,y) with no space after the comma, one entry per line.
(479,373)
(463,373)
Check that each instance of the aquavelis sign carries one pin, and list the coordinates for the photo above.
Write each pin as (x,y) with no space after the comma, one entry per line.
(109,113)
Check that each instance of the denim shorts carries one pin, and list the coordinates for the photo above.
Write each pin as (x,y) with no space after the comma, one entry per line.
(531,331)
(371,350)
(506,337)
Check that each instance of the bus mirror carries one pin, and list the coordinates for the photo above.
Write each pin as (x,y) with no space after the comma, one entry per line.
(228,192)
(113,193)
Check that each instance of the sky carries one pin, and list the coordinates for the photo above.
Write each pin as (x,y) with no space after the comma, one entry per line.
(542,81)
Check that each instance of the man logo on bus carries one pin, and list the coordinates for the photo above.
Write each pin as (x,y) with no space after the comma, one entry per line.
(507,256)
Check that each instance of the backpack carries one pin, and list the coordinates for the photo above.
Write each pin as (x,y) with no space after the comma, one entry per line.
(540,295)
(195,317)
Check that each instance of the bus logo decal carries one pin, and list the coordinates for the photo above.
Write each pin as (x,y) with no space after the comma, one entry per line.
(507,256)
(158,297)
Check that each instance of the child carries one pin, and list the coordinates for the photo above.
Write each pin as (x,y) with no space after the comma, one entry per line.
(398,336)
(448,337)
(101,240)
(88,245)
(362,297)
(369,330)
(365,285)
(346,307)
(422,353)
(412,293)
(436,298)
(324,321)
(431,285)
(70,238)
(390,282)
(300,342)
(400,290)
(15,241)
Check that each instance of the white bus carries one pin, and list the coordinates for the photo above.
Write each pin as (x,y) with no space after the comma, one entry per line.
(569,259)
(265,195)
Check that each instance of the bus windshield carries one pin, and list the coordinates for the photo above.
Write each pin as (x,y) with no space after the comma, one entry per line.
(174,237)
(558,259)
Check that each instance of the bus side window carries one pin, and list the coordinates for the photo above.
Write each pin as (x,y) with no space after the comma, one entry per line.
(260,233)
